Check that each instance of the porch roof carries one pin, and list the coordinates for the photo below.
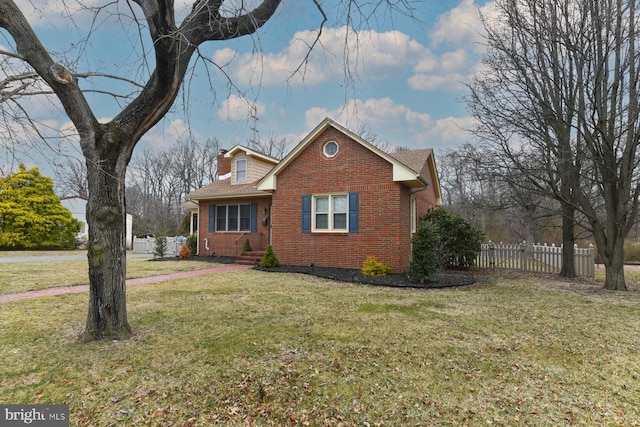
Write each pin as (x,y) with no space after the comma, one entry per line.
(223,189)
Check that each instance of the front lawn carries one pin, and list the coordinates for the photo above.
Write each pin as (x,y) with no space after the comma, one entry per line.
(255,348)
(17,277)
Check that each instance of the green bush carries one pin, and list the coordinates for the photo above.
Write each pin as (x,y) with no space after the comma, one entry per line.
(246,248)
(461,242)
(373,267)
(192,243)
(426,251)
(269,259)
(160,249)
(31,215)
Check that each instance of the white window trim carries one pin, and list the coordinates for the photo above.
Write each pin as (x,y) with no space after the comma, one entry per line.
(330,229)
(246,170)
(238,230)
(324,149)
(413,214)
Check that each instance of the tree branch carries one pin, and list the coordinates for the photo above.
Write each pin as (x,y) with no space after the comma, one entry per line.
(33,52)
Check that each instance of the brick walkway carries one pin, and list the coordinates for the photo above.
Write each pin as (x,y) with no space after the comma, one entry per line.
(130,282)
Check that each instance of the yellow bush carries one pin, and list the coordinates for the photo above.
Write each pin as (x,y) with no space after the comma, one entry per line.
(373,267)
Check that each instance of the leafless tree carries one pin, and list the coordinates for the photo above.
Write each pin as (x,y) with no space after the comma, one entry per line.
(159,180)
(276,147)
(558,102)
(167,49)
(474,189)
(72,181)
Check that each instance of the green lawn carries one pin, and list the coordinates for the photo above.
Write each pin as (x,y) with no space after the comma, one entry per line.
(254,348)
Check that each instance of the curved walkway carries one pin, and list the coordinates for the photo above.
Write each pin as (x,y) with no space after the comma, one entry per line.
(130,282)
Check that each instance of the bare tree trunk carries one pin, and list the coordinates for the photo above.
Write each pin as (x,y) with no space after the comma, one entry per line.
(614,266)
(568,242)
(107,313)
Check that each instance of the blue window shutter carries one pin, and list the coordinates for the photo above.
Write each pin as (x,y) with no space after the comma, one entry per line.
(306,213)
(254,217)
(353,212)
(212,218)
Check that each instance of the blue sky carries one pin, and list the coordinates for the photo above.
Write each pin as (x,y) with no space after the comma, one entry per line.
(406,77)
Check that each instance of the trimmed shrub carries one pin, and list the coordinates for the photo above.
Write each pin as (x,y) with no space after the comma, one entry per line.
(269,260)
(246,248)
(373,267)
(185,252)
(425,254)
(461,242)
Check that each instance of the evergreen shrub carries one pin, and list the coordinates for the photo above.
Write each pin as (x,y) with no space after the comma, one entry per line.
(269,260)
(425,253)
(461,242)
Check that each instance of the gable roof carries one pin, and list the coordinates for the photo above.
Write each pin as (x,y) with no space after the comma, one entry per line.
(251,153)
(416,160)
(401,172)
(223,188)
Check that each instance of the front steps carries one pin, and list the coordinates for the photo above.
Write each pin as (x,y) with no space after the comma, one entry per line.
(249,258)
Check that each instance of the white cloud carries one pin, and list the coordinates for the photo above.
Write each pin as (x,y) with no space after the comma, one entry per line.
(461,26)
(378,55)
(385,117)
(457,36)
(377,115)
(371,54)
(166,133)
(239,108)
(450,130)
(427,82)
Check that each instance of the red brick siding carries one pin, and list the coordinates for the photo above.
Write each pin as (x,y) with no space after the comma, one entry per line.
(384,228)
(224,164)
(232,243)
(424,202)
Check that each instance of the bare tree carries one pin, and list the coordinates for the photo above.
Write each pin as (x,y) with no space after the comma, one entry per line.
(73,179)
(108,147)
(193,163)
(159,180)
(558,103)
(501,206)
(276,147)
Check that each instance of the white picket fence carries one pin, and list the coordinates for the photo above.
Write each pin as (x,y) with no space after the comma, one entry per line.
(536,258)
(147,245)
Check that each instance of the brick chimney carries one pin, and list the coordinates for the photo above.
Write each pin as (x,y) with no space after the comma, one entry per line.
(224,164)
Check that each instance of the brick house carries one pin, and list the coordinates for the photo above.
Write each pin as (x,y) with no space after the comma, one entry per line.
(333,201)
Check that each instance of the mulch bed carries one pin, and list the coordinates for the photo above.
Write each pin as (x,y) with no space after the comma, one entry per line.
(442,280)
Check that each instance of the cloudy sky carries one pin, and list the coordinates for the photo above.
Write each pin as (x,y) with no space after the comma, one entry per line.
(403,82)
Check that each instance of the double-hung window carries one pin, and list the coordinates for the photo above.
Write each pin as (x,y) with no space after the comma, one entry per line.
(233,218)
(330,212)
(337,212)
(241,170)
